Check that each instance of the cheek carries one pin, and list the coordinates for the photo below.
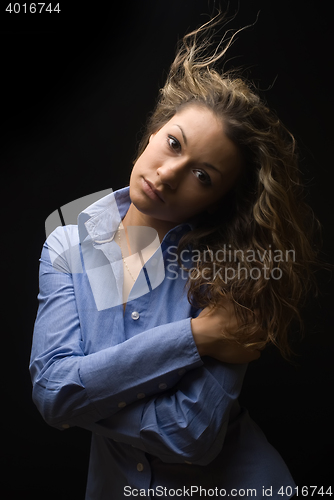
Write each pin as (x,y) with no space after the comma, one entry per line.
(207,203)
(201,198)
(144,162)
(136,167)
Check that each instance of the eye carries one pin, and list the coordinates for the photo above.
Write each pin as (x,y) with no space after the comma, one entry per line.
(173,143)
(203,177)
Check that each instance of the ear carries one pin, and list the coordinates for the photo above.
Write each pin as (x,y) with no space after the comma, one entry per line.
(151,137)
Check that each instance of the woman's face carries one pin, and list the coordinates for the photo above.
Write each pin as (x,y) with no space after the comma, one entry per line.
(187,167)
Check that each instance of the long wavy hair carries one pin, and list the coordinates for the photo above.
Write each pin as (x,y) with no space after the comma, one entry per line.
(257,249)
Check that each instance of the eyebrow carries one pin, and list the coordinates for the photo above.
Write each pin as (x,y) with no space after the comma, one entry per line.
(208,165)
(183,134)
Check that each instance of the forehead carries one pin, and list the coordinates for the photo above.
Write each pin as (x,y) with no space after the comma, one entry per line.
(198,118)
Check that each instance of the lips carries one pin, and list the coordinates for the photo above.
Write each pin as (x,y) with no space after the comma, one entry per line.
(151,190)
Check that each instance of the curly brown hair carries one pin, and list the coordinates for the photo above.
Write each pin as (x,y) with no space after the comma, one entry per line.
(263,232)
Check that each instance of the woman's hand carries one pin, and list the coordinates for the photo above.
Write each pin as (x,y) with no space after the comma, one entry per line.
(213,333)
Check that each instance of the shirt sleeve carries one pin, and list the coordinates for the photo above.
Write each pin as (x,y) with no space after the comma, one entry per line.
(185,424)
(74,389)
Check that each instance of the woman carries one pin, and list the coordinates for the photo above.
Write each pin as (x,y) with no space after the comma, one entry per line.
(151,308)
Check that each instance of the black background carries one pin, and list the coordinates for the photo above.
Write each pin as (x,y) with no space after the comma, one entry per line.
(76,89)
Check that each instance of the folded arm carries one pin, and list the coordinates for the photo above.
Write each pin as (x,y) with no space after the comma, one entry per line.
(71,388)
(185,424)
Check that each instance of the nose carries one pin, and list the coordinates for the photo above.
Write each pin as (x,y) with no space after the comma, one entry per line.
(171,172)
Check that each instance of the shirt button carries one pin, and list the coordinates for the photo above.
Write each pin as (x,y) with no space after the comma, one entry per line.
(186,462)
(65,426)
(162,386)
(182,371)
(121,404)
(140,467)
(135,315)
(154,262)
(140,395)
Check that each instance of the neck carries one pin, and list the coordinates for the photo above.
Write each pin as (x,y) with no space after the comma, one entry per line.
(135,218)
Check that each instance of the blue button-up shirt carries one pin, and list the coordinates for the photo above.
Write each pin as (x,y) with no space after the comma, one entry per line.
(164,421)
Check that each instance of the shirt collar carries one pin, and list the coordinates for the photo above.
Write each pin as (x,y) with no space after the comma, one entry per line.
(101,219)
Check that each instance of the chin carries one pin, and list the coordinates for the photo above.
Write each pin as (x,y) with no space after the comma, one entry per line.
(140,202)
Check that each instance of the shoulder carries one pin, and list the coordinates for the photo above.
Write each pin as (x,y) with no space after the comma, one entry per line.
(63,237)
(61,249)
